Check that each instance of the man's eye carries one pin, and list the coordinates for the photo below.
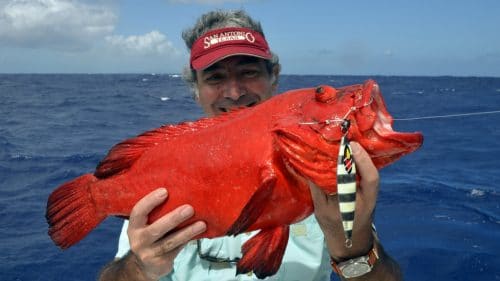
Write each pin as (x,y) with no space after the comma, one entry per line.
(250,73)
(213,78)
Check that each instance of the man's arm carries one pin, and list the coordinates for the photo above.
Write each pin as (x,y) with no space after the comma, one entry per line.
(126,268)
(385,268)
(326,210)
(152,247)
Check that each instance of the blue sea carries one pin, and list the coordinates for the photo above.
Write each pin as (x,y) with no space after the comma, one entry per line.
(438,212)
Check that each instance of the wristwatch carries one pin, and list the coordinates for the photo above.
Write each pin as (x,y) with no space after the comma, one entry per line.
(356,267)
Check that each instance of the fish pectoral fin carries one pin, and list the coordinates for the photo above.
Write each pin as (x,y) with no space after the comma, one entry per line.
(264,252)
(255,205)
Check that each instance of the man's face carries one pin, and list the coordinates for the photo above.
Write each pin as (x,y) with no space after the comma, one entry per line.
(234,82)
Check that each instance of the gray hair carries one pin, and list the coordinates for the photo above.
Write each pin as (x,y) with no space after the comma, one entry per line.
(221,19)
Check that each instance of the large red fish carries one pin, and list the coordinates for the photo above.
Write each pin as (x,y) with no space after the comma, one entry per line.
(242,171)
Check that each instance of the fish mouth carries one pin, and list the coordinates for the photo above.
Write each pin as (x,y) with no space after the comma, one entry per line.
(402,143)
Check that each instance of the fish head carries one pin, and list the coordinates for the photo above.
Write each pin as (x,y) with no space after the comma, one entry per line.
(370,124)
(309,139)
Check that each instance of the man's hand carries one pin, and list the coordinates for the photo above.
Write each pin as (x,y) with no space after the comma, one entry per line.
(153,247)
(326,210)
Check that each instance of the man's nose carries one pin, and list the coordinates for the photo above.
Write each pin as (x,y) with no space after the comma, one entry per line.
(233,90)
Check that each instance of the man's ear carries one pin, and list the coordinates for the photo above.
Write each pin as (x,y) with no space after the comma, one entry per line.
(196,93)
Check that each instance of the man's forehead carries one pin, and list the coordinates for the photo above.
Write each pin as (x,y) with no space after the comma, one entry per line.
(234,60)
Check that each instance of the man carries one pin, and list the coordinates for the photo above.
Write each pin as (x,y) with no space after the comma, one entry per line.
(231,66)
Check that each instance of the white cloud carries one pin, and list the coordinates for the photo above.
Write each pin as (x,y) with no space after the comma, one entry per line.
(60,24)
(152,43)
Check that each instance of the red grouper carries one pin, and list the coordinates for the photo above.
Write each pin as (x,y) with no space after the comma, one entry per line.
(242,171)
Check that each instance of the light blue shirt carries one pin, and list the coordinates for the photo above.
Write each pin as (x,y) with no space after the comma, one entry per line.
(305,258)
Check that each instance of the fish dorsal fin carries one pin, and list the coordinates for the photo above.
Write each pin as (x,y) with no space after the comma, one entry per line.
(123,155)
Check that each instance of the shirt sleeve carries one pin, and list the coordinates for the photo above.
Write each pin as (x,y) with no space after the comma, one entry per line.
(123,243)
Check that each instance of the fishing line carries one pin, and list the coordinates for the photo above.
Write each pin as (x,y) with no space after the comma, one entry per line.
(340,120)
(447,116)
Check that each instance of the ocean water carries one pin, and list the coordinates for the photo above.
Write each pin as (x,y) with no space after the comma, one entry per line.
(438,213)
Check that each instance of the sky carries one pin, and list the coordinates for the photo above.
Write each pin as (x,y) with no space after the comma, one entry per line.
(385,37)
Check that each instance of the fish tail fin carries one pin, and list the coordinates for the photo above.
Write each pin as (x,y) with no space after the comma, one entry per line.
(264,252)
(71,212)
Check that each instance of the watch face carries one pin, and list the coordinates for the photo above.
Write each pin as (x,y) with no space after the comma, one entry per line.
(355,270)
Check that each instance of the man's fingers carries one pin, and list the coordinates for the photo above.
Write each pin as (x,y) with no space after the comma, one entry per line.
(141,210)
(318,195)
(169,221)
(366,169)
(178,238)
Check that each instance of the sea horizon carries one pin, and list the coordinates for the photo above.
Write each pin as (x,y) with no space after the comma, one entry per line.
(282,74)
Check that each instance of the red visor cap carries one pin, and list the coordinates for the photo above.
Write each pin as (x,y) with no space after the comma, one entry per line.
(218,44)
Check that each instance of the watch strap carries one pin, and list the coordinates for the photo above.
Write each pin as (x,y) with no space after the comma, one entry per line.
(372,258)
